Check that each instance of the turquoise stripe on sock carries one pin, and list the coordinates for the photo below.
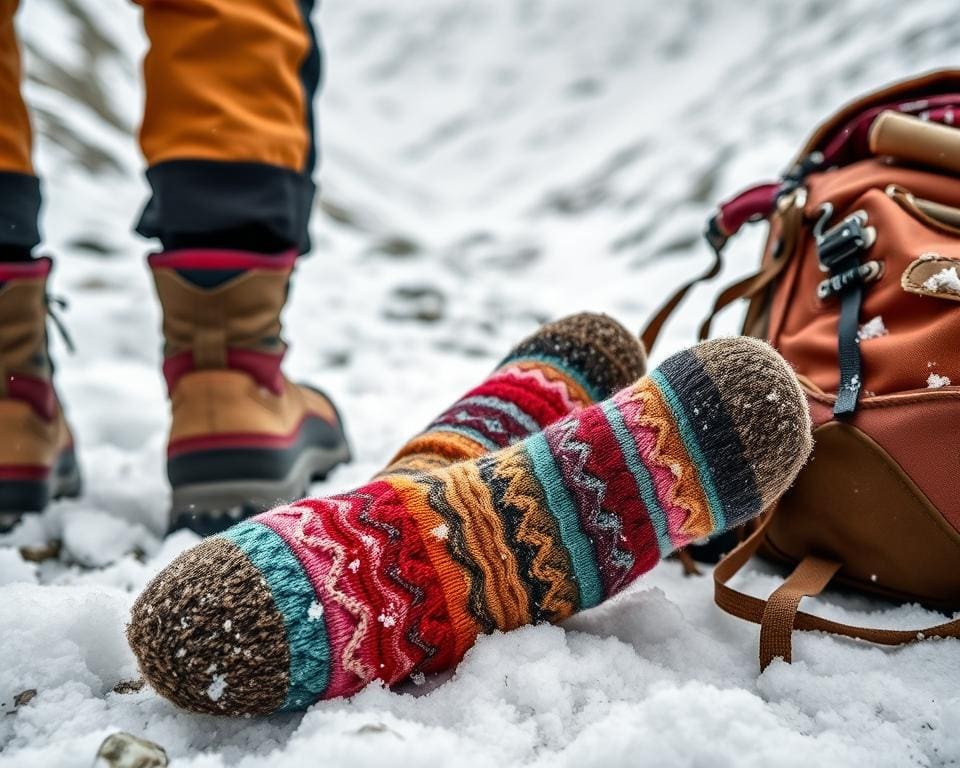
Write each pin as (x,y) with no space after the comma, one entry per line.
(692,444)
(641,474)
(293,595)
(554,362)
(561,506)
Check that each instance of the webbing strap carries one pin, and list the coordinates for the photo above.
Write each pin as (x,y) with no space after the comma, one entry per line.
(652,331)
(839,251)
(851,373)
(753,609)
(808,579)
(746,288)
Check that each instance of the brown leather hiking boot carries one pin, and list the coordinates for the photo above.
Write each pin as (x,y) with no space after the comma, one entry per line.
(243,437)
(37,461)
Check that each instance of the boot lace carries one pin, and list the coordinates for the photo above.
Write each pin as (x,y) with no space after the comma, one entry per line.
(61,306)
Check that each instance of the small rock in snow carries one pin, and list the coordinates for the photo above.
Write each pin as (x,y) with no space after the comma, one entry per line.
(129,686)
(124,750)
(24,697)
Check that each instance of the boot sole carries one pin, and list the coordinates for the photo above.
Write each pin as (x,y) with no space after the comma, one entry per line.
(210,506)
(33,495)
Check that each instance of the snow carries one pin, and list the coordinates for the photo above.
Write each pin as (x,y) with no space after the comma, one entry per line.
(872,329)
(217,687)
(945,281)
(487,165)
(94,538)
(13,568)
(935,381)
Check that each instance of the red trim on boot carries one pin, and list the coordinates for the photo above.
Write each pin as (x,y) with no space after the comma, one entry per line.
(37,393)
(236,440)
(262,367)
(216,258)
(25,270)
(24,472)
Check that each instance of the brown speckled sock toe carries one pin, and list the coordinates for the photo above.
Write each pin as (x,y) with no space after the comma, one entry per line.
(210,617)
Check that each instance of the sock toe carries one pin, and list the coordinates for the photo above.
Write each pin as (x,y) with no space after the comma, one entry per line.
(749,416)
(606,355)
(208,635)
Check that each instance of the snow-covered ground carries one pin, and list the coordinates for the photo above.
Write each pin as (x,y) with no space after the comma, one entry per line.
(488,164)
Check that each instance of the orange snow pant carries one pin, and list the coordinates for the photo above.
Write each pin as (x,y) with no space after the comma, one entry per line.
(227,129)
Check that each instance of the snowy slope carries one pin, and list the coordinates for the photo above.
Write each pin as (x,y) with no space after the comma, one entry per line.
(488,164)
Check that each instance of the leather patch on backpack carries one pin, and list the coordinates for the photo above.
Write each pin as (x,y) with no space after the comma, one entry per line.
(933,275)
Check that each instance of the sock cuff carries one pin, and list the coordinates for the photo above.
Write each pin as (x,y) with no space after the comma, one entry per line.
(601,353)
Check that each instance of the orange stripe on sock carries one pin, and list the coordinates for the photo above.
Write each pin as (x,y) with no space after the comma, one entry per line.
(448,446)
(504,591)
(537,529)
(687,493)
(453,579)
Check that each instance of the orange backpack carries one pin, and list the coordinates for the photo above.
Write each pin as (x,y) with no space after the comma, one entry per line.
(859,289)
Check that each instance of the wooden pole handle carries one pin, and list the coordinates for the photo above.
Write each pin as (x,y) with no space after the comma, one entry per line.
(917,141)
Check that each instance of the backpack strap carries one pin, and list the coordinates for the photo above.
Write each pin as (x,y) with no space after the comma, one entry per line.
(746,288)
(790,206)
(753,204)
(652,331)
(808,579)
(779,616)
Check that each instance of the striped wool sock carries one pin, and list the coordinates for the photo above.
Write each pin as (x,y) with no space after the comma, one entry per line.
(561,369)
(317,599)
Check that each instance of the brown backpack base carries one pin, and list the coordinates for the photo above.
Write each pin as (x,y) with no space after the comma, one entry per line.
(841,537)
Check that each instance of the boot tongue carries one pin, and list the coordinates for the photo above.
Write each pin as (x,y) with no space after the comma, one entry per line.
(209,278)
(211,267)
(24,365)
(222,311)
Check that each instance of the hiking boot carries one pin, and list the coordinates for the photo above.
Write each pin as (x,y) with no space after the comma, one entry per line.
(37,461)
(243,437)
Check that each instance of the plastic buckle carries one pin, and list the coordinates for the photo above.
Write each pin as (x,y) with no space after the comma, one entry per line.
(867,272)
(839,246)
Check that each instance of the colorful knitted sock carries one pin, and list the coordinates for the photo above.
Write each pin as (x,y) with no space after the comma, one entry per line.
(561,369)
(317,599)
